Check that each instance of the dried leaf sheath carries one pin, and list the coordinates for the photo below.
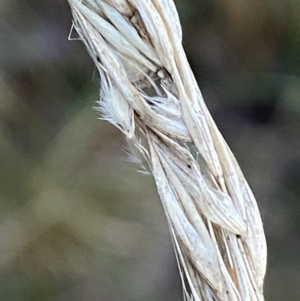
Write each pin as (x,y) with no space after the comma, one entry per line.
(149,92)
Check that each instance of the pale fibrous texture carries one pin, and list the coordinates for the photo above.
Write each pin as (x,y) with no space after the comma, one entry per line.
(149,92)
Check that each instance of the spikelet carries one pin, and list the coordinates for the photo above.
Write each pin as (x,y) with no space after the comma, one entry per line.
(149,92)
(115,109)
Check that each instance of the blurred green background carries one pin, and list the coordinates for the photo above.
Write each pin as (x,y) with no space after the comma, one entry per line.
(77,221)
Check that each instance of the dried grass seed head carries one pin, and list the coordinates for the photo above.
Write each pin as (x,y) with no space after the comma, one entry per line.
(135,40)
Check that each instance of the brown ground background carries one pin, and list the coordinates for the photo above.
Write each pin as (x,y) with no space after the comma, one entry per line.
(77,221)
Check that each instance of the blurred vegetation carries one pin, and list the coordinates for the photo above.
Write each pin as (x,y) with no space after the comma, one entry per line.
(77,221)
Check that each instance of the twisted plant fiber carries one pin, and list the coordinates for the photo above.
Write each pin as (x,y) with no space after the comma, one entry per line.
(149,92)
